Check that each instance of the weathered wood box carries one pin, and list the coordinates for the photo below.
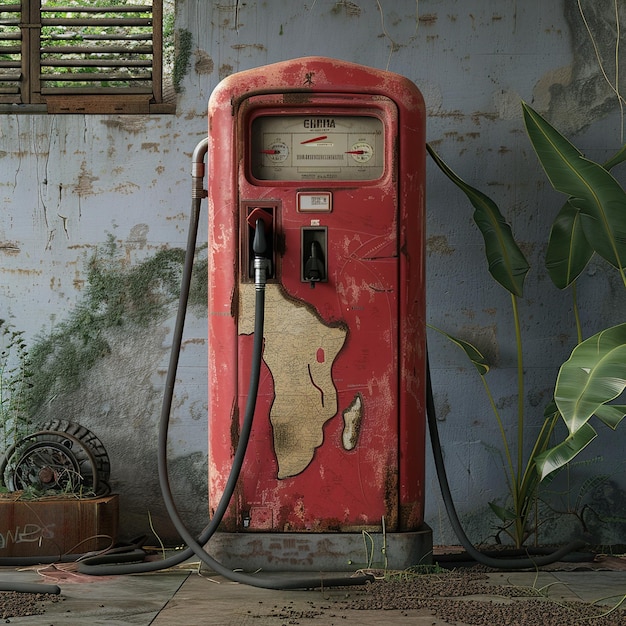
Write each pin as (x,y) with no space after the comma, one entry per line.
(56,525)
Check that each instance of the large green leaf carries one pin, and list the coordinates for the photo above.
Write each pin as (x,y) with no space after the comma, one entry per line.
(594,375)
(611,414)
(473,353)
(568,249)
(616,159)
(592,190)
(506,515)
(564,452)
(507,263)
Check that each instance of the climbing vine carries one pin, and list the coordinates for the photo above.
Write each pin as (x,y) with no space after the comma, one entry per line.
(116,296)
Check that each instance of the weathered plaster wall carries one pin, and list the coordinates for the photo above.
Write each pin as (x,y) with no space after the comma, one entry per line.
(70,183)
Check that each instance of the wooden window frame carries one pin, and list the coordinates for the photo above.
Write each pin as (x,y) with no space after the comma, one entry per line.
(28,85)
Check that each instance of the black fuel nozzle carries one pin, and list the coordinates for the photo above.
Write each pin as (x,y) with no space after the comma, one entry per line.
(259,243)
(314,267)
(262,263)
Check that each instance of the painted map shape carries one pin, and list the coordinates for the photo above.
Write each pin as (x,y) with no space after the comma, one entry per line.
(299,351)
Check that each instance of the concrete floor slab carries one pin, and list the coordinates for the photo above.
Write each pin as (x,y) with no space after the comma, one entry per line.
(113,600)
(219,602)
(187,597)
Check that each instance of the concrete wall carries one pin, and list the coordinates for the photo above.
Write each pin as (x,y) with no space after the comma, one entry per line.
(90,203)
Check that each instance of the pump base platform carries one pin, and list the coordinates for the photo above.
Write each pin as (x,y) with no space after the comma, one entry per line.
(329,552)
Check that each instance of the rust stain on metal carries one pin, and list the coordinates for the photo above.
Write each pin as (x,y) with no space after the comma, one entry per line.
(150,146)
(391,498)
(301,98)
(58,525)
(234,427)
(410,516)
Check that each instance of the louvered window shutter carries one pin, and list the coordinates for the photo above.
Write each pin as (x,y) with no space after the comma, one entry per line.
(74,57)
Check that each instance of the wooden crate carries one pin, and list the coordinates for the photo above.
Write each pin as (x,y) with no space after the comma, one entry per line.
(56,525)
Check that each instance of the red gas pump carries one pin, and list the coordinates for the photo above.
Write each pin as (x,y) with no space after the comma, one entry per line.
(329,155)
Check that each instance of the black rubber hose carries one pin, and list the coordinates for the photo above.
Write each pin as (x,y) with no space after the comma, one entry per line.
(195,545)
(29,587)
(267,582)
(476,555)
(94,566)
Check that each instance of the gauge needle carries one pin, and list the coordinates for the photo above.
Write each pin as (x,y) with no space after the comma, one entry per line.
(355,152)
(315,139)
(270,151)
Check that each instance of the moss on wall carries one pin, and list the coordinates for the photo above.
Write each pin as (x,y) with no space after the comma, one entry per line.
(182,59)
(116,295)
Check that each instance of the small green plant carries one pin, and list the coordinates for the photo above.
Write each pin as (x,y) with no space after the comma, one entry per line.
(508,266)
(592,220)
(15,374)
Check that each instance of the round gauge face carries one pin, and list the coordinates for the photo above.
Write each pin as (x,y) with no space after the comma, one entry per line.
(316,147)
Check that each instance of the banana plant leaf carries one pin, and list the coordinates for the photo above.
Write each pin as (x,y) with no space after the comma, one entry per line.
(611,414)
(555,458)
(616,159)
(568,249)
(594,375)
(507,263)
(531,476)
(592,190)
(473,353)
(506,515)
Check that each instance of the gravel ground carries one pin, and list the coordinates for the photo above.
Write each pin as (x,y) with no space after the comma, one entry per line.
(457,597)
(14,604)
(446,596)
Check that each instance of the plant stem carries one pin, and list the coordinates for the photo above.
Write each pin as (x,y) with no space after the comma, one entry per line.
(579,330)
(507,451)
(520,392)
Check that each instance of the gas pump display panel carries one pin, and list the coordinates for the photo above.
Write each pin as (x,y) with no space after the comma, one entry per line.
(319,147)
